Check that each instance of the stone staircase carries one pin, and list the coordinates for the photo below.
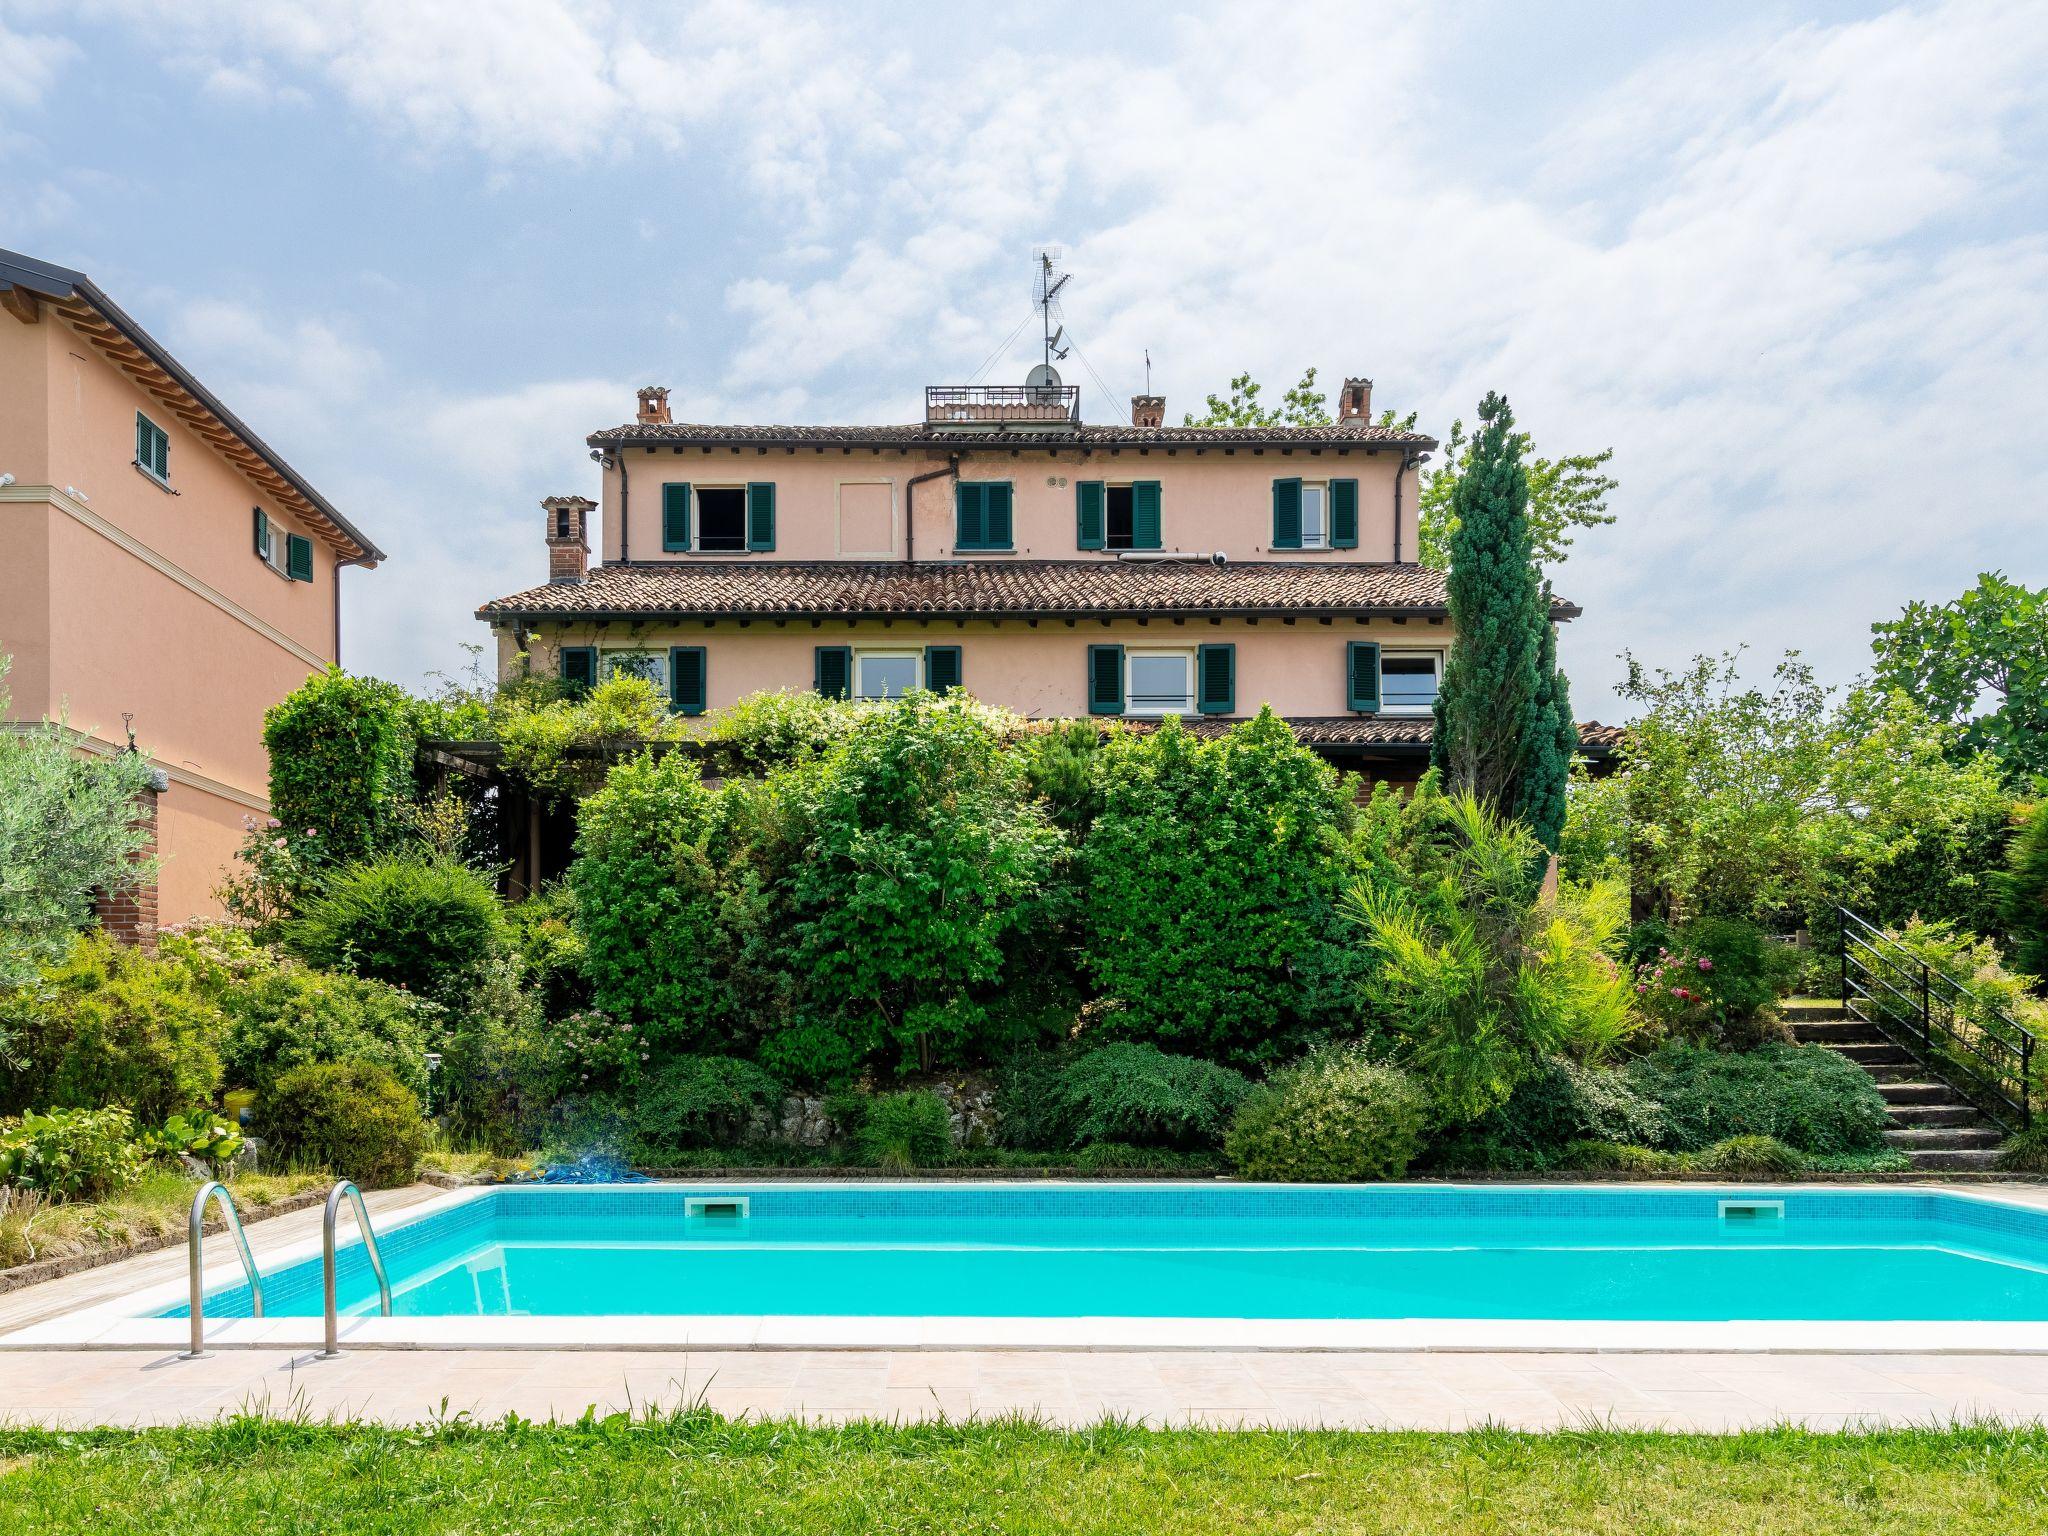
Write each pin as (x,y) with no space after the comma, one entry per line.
(1931,1123)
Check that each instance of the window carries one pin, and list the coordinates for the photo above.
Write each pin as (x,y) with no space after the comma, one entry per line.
(1408,680)
(721,519)
(1116,527)
(286,553)
(1159,682)
(1116,516)
(885,674)
(981,514)
(152,449)
(1315,528)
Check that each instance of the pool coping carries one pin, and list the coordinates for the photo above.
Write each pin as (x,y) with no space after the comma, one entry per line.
(115,1325)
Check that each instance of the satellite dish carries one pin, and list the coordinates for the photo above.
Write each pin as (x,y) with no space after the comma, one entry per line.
(1042,376)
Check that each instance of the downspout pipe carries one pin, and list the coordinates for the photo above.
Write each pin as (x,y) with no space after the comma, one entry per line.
(910,503)
(361,560)
(604,460)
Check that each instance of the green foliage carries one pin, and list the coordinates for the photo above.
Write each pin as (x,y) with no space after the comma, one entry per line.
(67,832)
(1477,973)
(1061,765)
(699,1101)
(2025,1151)
(71,1154)
(1594,1156)
(1504,731)
(1212,876)
(560,745)
(905,1130)
(341,751)
(1557,1103)
(428,926)
(547,938)
(1749,1157)
(1595,845)
(1336,1117)
(1806,1096)
(1134,1093)
(649,847)
(352,1118)
(1992,641)
(922,877)
(1302,406)
(2023,895)
(110,1025)
(209,1138)
(766,731)
(1564,494)
(1992,992)
(1714,979)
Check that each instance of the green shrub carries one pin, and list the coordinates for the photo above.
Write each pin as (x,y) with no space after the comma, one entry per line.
(288,1016)
(2025,1151)
(111,1025)
(699,1101)
(212,1139)
(1130,1092)
(1595,1156)
(2023,895)
(1212,876)
(1716,979)
(429,926)
(1337,1117)
(1030,1112)
(72,1154)
(341,751)
(1806,1096)
(766,731)
(353,1118)
(906,1130)
(1111,1156)
(550,947)
(1749,1157)
(1558,1103)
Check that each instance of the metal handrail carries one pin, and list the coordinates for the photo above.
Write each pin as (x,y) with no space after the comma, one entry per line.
(1923,1009)
(195,1235)
(327,1266)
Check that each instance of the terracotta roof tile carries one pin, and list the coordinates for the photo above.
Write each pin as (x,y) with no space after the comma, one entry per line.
(996,588)
(915,435)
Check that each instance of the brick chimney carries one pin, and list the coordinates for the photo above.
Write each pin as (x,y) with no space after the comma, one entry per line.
(568,528)
(653,406)
(1148,410)
(1354,402)
(129,915)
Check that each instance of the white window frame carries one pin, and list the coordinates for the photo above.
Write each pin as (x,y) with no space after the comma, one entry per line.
(1321,490)
(1423,653)
(1185,655)
(886,653)
(277,557)
(655,670)
(697,518)
(163,479)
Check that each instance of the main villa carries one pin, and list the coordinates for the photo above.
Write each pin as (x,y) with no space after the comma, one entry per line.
(1003,546)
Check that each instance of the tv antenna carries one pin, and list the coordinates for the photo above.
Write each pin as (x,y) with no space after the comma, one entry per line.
(1045,297)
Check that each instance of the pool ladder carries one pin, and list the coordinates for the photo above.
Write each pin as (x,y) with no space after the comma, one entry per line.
(195,1232)
(344,1187)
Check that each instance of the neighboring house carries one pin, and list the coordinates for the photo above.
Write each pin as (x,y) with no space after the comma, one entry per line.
(1003,547)
(160,565)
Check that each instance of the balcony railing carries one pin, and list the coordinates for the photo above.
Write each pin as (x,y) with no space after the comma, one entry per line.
(996,406)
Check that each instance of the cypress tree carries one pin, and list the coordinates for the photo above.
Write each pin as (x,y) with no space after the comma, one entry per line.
(1504,729)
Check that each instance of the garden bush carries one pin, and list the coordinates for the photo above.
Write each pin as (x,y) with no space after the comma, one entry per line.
(905,1130)
(72,1154)
(1138,1094)
(111,1025)
(766,731)
(1716,978)
(1560,1102)
(429,926)
(353,1118)
(1806,1096)
(1615,1157)
(547,937)
(1337,1117)
(2025,1151)
(341,751)
(700,1101)
(2023,897)
(1030,1112)
(287,1016)
(1749,1157)
(1212,875)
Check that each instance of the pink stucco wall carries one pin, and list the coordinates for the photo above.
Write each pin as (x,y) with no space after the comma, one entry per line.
(1040,671)
(1209,500)
(187,630)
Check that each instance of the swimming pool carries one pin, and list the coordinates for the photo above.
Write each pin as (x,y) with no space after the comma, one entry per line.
(854,1262)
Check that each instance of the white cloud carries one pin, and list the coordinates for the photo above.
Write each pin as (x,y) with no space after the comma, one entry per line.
(29,65)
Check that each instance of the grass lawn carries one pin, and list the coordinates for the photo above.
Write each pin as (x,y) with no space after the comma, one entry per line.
(157,1204)
(698,1473)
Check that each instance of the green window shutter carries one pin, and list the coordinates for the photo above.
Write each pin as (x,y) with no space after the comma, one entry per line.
(832,671)
(579,669)
(686,679)
(298,557)
(1145,514)
(262,534)
(1216,679)
(1362,675)
(1105,679)
(968,518)
(675,517)
(997,524)
(1088,519)
(1343,514)
(761,515)
(145,450)
(942,668)
(163,455)
(1287,514)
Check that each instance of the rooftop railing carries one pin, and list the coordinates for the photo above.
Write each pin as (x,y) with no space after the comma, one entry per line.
(1002,405)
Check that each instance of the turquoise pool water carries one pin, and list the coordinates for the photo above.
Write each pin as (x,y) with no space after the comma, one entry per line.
(1199,1251)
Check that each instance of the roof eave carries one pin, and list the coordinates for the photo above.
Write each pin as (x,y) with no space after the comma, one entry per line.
(790,615)
(630,437)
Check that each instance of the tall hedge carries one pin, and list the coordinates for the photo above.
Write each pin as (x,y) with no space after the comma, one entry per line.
(341,753)
(1212,875)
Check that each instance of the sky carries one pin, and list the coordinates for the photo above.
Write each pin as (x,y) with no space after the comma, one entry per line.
(1789,261)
